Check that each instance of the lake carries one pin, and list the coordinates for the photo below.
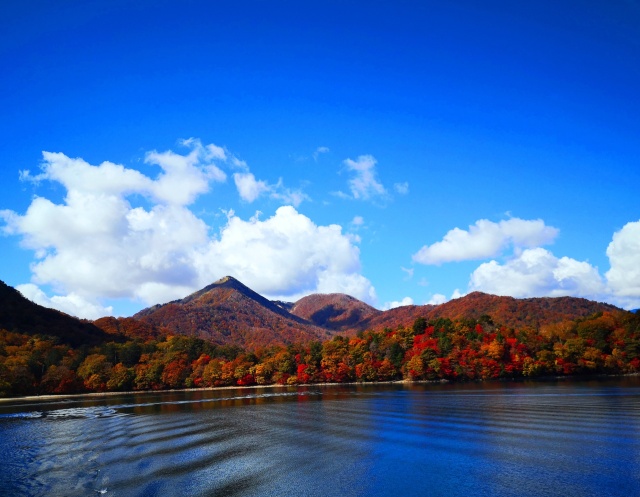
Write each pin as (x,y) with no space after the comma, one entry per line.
(491,439)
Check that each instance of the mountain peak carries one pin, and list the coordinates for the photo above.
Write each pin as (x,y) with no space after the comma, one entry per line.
(227,311)
(226,282)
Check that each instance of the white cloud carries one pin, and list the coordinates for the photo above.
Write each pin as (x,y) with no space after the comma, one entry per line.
(286,195)
(532,271)
(184,177)
(248,187)
(239,164)
(437,299)
(95,245)
(396,303)
(210,151)
(401,188)
(286,256)
(70,304)
(538,273)
(357,221)
(457,294)
(486,239)
(624,256)
(364,184)
(76,174)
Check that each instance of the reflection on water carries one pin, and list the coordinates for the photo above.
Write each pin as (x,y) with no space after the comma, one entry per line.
(505,439)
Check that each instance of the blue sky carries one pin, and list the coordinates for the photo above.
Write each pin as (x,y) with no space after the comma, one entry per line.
(403,152)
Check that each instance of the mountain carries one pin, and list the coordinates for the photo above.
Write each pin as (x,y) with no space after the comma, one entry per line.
(508,311)
(335,311)
(228,312)
(518,313)
(19,314)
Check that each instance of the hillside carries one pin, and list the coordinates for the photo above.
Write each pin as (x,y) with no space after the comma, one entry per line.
(519,313)
(227,334)
(529,313)
(228,312)
(130,328)
(334,311)
(404,315)
(18,314)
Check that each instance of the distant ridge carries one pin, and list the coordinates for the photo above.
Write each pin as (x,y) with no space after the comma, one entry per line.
(404,315)
(229,312)
(509,311)
(335,311)
(515,313)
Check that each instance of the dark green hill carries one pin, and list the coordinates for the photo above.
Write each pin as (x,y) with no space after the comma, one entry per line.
(18,314)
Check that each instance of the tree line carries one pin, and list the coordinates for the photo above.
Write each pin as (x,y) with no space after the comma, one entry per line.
(441,349)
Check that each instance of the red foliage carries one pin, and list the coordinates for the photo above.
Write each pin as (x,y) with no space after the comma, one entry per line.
(303,377)
(247,380)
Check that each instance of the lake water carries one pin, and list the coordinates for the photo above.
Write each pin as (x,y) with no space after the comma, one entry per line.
(503,439)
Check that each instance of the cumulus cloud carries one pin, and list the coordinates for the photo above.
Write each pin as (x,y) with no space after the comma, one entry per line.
(287,256)
(538,273)
(181,180)
(76,174)
(532,271)
(397,303)
(184,177)
(624,256)
(486,239)
(457,294)
(364,183)
(95,245)
(437,299)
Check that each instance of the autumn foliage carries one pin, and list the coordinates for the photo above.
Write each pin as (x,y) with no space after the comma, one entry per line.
(438,349)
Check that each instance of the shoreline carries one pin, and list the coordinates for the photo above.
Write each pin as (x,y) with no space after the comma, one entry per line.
(203,389)
(94,395)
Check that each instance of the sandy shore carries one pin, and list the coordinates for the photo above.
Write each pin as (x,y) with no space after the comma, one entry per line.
(204,389)
(94,395)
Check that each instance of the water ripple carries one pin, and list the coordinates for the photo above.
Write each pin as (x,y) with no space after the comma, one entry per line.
(516,440)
